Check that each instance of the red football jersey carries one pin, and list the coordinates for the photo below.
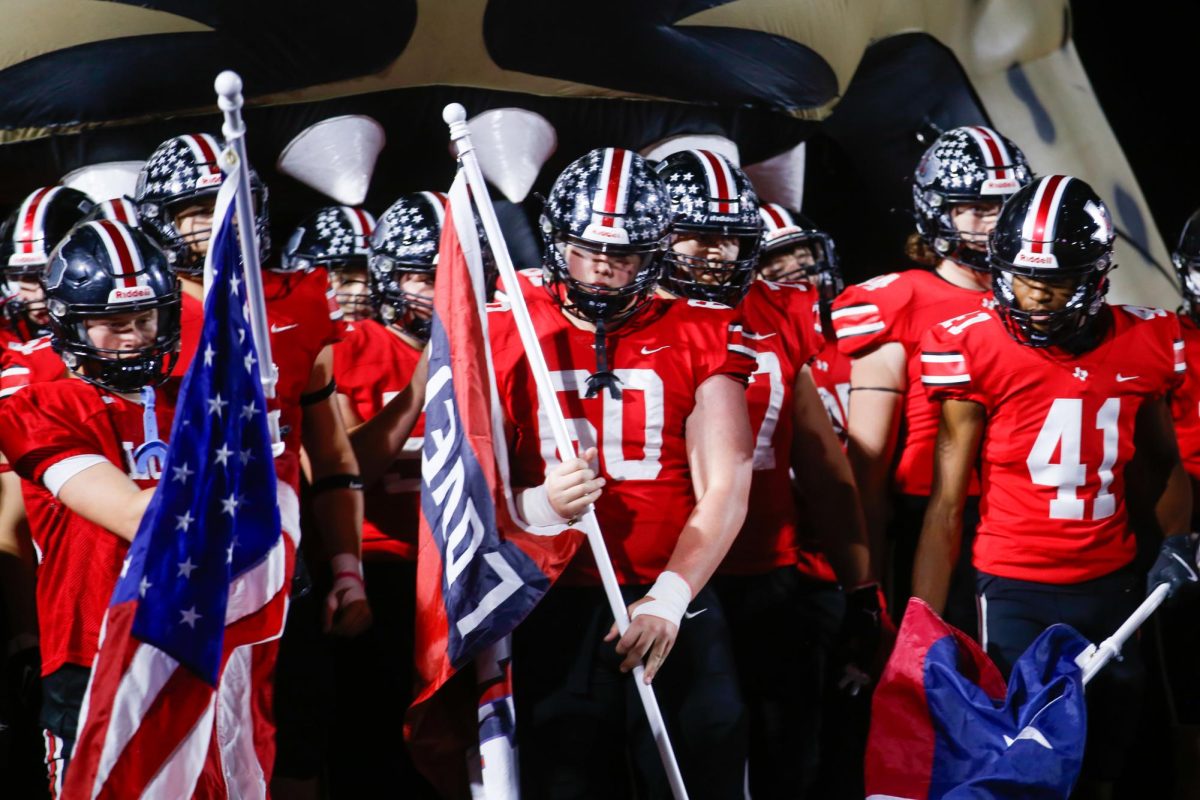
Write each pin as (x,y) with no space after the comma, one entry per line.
(1058,436)
(661,357)
(23,363)
(191,325)
(372,365)
(779,326)
(900,307)
(43,425)
(1185,401)
(304,318)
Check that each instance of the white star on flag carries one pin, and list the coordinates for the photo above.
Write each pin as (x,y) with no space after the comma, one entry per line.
(190,616)
(216,405)
(186,567)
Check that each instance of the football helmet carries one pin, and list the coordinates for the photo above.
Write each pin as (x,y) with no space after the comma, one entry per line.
(337,238)
(119,209)
(184,171)
(608,201)
(1054,229)
(786,231)
(709,195)
(26,240)
(406,241)
(967,165)
(106,269)
(1186,258)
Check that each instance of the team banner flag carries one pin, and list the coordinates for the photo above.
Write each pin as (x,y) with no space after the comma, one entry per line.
(944,725)
(169,711)
(479,573)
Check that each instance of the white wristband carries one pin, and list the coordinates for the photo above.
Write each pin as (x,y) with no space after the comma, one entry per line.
(669,598)
(534,507)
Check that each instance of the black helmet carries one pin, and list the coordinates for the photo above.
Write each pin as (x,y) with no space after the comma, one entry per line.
(104,269)
(1054,228)
(1186,258)
(406,241)
(709,195)
(784,229)
(338,239)
(180,172)
(967,165)
(608,201)
(26,240)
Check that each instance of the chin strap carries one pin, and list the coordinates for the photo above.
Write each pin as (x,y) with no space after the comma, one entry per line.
(603,378)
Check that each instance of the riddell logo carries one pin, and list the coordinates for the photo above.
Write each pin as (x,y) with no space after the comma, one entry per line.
(130,294)
(1027,259)
(999,186)
(208,180)
(606,234)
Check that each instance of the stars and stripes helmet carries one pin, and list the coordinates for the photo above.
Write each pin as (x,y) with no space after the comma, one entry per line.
(1056,228)
(1186,258)
(406,241)
(709,195)
(184,171)
(104,269)
(26,240)
(607,201)
(968,165)
(785,230)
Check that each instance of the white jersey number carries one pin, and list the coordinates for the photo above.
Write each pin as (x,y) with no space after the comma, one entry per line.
(764,451)
(1064,426)
(618,467)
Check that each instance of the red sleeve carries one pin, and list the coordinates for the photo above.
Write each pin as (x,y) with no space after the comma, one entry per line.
(720,342)
(1174,335)
(803,312)
(336,329)
(946,362)
(865,315)
(42,426)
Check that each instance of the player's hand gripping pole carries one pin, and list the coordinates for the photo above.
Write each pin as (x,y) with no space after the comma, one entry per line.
(1093,659)
(456,117)
(229,98)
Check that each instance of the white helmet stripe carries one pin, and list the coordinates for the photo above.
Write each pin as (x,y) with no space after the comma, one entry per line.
(995,154)
(1041,218)
(123,254)
(29,235)
(609,204)
(205,149)
(438,201)
(721,186)
(776,216)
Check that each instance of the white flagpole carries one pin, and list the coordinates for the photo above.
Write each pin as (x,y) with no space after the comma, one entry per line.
(1093,659)
(456,117)
(229,99)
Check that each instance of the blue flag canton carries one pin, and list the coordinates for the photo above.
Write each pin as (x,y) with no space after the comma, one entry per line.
(488,583)
(215,514)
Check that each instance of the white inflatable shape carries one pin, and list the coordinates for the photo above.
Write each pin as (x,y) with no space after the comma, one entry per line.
(688,141)
(780,179)
(106,181)
(335,156)
(512,145)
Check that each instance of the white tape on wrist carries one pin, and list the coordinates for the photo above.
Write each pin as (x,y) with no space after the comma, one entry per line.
(534,507)
(348,581)
(669,598)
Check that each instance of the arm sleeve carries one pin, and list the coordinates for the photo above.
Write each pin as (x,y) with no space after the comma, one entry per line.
(946,366)
(38,430)
(865,316)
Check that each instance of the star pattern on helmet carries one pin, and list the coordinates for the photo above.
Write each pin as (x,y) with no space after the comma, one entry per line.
(570,205)
(408,231)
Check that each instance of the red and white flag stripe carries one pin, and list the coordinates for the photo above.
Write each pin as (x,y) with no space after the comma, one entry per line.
(722,189)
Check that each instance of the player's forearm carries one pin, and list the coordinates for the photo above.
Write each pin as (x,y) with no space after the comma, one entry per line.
(378,442)
(1173,511)
(338,514)
(709,533)
(937,552)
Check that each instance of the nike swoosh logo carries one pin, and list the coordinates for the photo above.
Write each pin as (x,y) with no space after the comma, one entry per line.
(647,352)
(282,328)
(1122,378)
(759,336)
(693,614)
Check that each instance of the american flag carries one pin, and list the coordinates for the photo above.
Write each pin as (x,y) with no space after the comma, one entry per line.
(478,572)
(170,709)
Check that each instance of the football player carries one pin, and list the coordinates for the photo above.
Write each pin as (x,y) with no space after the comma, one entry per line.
(775,617)
(336,238)
(1053,392)
(959,185)
(374,365)
(653,391)
(73,443)
(176,193)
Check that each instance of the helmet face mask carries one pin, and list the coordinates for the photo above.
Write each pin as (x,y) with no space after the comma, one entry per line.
(607,207)
(183,174)
(1054,239)
(1186,259)
(85,282)
(711,198)
(965,167)
(795,250)
(405,243)
(337,239)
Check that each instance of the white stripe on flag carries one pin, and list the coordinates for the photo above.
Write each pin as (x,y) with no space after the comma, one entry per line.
(185,764)
(235,727)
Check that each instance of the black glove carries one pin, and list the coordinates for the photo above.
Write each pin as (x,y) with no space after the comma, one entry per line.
(1176,566)
(867,630)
